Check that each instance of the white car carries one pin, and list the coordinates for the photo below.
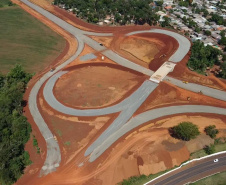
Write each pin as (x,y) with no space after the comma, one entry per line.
(215,160)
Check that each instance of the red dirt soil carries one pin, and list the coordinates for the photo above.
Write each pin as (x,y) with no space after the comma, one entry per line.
(83,85)
(168,48)
(167,94)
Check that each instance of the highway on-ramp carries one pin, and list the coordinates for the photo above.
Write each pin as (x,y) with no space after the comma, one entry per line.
(126,107)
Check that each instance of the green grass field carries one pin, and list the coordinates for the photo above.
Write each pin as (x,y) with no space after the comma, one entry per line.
(26,41)
(218,179)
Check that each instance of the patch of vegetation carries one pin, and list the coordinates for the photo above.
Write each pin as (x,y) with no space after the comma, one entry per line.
(35,144)
(123,10)
(14,128)
(203,57)
(201,153)
(217,19)
(68,143)
(217,179)
(140,180)
(209,149)
(5,3)
(59,133)
(185,131)
(26,41)
(211,131)
(223,68)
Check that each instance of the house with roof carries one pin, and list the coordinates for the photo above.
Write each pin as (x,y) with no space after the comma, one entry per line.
(216,36)
(168,7)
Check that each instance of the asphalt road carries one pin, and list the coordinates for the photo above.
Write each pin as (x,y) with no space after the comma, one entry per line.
(195,171)
(127,107)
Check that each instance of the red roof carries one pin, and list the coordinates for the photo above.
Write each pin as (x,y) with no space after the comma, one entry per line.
(168,7)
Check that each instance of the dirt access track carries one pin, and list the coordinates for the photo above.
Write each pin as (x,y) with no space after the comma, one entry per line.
(77,158)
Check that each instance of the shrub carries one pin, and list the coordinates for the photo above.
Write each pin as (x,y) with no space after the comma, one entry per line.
(209,149)
(185,131)
(211,131)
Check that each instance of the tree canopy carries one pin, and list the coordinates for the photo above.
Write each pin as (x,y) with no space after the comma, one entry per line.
(124,10)
(14,128)
(223,68)
(217,19)
(185,131)
(203,56)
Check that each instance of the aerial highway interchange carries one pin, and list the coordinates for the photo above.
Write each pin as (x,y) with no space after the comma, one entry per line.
(125,121)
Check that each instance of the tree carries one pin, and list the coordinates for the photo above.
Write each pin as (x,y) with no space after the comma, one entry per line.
(207,32)
(211,131)
(14,128)
(159,3)
(223,70)
(185,131)
(202,57)
(223,41)
(209,149)
(166,21)
(197,29)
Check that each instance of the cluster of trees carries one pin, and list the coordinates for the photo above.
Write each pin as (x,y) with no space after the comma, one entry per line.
(124,11)
(187,131)
(217,19)
(203,57)
(204,12)
(14,128)
(212,132)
